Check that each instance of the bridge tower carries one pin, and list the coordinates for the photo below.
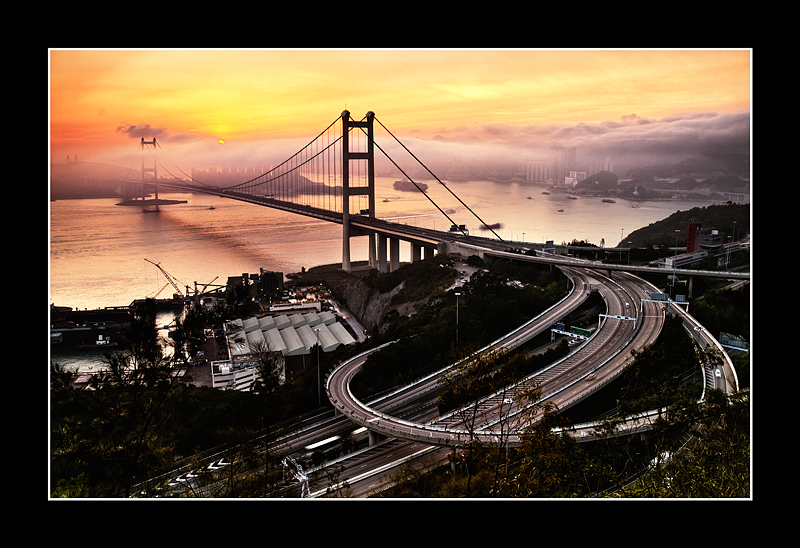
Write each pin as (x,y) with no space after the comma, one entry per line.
(149,205)
(348,191)
(146,145)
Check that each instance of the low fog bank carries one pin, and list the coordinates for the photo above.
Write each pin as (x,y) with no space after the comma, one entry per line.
(718,142)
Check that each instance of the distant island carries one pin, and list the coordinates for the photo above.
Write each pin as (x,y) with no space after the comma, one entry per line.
(726,217)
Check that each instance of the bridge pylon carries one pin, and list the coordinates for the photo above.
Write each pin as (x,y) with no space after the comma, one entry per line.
(149,205)
(146,145)
(348,191)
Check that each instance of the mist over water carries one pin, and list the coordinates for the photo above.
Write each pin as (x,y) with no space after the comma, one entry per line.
(97,249)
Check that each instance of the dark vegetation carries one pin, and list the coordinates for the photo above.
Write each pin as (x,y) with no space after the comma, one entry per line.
(693,450)
(721,217)
(136,419)
(488,307)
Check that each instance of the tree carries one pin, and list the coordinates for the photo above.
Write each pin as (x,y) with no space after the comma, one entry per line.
(465,388)
(189,333)
(702,450)
(117,427)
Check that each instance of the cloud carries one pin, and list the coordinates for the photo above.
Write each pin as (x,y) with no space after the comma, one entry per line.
(691,133)
(159,133)
(631,141)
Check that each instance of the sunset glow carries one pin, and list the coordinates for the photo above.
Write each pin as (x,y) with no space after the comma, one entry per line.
(100,100)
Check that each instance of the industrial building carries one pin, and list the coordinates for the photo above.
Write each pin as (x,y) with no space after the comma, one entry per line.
(701,243)
(292,335)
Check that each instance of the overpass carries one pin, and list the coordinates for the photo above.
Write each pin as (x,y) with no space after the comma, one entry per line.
(600,359)
(592,365)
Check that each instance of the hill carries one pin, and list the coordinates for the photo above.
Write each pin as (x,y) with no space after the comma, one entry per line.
(721,217)
(602,180)
(88,179)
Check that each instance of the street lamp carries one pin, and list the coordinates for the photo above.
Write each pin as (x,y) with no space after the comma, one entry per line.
(674,263)
(319,389)
(458,294)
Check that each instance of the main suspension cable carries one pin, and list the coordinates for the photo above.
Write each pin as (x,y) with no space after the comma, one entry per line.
(437,178)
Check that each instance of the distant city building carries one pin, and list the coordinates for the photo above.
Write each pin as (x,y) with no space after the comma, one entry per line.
(563,160)
(459,170)
(577,176)
(536,172)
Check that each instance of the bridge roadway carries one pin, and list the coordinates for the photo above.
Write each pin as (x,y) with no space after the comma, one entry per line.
(593,364)
(444,241)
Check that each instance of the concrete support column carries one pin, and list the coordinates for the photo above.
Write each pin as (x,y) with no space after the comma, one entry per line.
(416,252)
(382,252)
(373,438)
(394,254)
(373,259)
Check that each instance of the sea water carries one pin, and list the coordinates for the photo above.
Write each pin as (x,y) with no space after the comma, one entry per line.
(97,249)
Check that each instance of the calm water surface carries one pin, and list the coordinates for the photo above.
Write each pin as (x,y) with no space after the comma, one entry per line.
(97,249)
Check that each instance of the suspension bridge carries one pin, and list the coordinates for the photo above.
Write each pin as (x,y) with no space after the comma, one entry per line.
(332,178)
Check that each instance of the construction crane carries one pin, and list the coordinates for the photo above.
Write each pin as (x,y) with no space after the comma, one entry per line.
(204,287)
(169,278)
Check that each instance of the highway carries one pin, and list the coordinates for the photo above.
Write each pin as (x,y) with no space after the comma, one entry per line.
(409,418)
(590,366)
(564,383)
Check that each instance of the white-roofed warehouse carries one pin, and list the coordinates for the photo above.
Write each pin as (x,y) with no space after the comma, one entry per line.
(292,335)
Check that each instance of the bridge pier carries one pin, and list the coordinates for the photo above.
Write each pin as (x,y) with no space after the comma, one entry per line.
(416,252)
(394,254)
(373,259)
(382,253)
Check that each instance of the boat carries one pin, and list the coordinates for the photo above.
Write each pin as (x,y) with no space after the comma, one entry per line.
(561,211)
(571,198)
(636,206)
(546,193)
(491,226)
(609,201)
(408,186)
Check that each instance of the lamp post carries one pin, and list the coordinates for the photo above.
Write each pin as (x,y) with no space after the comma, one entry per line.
(319,389)
(674,263)
(458,294)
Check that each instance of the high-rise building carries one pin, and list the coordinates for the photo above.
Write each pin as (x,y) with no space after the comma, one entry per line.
(563,160)
(536,172)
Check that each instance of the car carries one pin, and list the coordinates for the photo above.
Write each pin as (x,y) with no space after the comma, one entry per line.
(717,373)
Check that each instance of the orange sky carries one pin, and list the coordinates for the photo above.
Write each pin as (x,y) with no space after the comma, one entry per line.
(249,96)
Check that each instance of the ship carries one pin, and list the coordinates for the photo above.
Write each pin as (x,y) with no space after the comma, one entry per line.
(406,185)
